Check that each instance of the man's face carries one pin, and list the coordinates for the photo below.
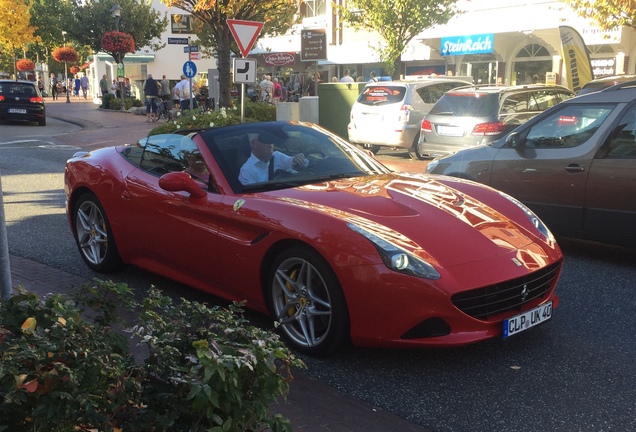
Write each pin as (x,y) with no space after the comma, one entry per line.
(262,150)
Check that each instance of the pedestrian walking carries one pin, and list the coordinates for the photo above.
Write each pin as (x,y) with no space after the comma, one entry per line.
(165,92)
(184,91)
(84,84)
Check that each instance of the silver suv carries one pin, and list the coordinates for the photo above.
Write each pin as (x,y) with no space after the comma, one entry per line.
(473,116)
(389,113)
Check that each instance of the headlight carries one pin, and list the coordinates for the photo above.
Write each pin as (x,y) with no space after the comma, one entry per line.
(432,165)
(534,219)
(396,258)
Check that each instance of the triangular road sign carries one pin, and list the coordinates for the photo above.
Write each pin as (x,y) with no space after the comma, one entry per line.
(245,33)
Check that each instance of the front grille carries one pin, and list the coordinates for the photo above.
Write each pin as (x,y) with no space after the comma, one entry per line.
(482,303)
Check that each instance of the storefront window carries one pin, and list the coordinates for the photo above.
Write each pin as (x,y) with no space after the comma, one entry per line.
(531,65)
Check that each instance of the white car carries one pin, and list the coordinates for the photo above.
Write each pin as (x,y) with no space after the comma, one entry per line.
(389,113)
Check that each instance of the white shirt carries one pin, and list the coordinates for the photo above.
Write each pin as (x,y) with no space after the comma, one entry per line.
(255,170)
(181,85)
(346,78)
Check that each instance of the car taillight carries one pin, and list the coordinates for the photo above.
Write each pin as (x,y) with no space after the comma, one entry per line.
(490,128)
(426,126)
(1,98)
(36,99)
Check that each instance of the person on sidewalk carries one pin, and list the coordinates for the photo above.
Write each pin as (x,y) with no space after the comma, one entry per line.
(53,86)
(76,86)
(184,90)
(84,85)
(151,90)
(103,85)
(346,78)
(165,92)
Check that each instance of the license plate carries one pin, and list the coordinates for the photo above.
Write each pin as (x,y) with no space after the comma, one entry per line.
(449,131)
(524,321)
(17,111)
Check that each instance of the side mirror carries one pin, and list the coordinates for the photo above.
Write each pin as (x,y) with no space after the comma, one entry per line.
(513,140)
(181,181)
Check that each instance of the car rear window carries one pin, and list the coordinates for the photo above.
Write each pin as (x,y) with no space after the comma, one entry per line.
(432,93)
(17,88)
(382,95)
(467,104)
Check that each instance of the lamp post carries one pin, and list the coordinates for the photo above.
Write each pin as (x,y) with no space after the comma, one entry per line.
(116,12)
(68,99)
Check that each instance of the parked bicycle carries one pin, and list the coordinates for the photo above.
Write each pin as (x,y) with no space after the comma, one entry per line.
(164,110)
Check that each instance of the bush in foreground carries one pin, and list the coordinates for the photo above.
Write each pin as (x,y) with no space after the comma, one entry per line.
(204,368)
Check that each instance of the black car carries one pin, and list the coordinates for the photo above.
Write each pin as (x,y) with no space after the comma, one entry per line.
(472,116)
(604,82)
(21,100)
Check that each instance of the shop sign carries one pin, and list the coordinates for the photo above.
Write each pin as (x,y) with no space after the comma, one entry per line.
(603,67)
(279,59)
(470,44)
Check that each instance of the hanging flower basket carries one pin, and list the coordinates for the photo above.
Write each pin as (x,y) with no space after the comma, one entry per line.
(65,54)
(73,69)
(118,43)
(25,65)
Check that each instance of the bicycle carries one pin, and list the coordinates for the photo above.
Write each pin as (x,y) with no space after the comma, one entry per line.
(164,110)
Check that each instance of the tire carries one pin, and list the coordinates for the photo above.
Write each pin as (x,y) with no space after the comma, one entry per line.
(93,235)
(306,300)
(414,151)
(372,148)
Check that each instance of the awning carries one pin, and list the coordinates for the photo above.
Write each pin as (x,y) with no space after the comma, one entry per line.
(129,58)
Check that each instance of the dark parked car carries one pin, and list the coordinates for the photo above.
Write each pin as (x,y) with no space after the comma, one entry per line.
(21,100)
(574,165)
(472,116)
(601,83)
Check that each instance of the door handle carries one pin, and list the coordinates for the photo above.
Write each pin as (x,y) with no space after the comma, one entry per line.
(574,168)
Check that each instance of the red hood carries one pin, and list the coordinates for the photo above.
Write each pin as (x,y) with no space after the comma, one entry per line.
(427,213)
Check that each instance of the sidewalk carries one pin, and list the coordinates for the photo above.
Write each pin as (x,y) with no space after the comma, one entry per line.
(312,406)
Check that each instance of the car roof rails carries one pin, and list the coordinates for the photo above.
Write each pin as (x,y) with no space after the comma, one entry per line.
(619,86)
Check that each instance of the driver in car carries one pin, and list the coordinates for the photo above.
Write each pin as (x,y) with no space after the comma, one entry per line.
(264,162)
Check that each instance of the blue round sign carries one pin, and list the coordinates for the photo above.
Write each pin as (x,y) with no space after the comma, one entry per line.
(189,69)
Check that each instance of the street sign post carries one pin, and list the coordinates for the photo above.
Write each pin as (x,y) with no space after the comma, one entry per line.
(245,34)
(313,44)
(244,71)
(190,71)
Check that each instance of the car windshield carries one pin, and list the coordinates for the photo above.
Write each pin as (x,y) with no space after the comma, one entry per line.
(326,156)
(382,95)
(469,104)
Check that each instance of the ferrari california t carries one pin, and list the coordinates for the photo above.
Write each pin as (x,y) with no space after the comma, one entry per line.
(333,245)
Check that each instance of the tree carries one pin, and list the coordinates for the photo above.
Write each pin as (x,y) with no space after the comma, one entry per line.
(397,22)
(608,14)
(93,18)
(277,16)
(15,30)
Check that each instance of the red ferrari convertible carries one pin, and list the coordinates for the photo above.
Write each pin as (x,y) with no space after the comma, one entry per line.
(317,233)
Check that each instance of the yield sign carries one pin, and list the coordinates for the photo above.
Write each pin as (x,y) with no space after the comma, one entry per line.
(245,33)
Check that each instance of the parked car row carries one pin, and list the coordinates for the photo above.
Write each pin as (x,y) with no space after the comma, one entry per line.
(574,165)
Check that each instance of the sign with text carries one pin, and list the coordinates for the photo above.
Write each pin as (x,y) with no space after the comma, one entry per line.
(313,44)
(245,33)
(470,44)
(279,59)
(178,41)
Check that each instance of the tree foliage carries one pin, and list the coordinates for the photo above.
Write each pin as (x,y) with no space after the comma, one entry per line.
(277,17)
(93,18)
(397,22)
(15,29)
(608,14)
